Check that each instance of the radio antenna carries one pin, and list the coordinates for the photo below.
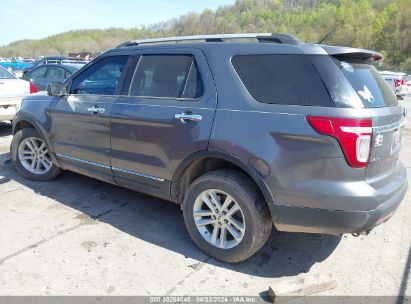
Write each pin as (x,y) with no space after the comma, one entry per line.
(328,34)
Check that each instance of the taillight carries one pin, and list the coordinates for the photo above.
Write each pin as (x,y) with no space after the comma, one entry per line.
(33,88)
(399,82)
(353,134)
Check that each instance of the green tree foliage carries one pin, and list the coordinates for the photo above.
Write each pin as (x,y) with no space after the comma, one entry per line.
(382,25)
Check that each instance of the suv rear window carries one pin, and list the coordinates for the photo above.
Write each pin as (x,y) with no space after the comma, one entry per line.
(282,79)
(339,88)
(367,82)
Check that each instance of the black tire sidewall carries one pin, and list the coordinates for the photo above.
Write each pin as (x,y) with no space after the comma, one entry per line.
(250,243)
(17,139)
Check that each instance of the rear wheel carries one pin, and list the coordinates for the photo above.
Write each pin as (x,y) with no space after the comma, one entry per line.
(31,156)
(226,215)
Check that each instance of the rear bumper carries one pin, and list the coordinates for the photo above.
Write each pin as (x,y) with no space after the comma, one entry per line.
(8,101)
(313,220)
(9,107)
(8,113)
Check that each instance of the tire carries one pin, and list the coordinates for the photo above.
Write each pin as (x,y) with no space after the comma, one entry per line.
(47,169)
(253,219)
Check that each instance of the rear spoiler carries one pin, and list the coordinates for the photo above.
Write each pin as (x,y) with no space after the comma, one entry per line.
(362,54)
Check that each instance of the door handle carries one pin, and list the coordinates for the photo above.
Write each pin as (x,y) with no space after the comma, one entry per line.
(184,117)
(96,110)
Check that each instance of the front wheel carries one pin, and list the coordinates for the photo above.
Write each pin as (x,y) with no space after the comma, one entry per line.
(31,156)
(226,215)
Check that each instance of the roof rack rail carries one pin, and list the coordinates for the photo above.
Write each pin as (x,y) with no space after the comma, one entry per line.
(261,37)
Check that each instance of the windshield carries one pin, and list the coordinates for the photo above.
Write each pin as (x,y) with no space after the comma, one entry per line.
(4,74)
(367,82)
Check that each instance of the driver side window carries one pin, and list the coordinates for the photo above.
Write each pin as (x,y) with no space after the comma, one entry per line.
(102,78)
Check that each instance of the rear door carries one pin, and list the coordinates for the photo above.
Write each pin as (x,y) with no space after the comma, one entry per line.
(388,118)
(80,121)
(164,115)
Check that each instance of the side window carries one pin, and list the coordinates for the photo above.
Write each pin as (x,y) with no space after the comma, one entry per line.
(39,73)
(101,78)
(194,84)
(172,76)
(282,79)
(55,73)
(68,74)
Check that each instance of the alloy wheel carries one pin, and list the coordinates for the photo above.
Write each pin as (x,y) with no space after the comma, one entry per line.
(34,155)
(219,218)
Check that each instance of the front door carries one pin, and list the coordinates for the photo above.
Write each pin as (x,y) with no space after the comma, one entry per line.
(164,115)
(80,121)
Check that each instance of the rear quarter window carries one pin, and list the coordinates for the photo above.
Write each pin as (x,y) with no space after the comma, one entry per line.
(282,79)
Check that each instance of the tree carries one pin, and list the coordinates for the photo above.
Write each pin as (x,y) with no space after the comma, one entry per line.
(382,25)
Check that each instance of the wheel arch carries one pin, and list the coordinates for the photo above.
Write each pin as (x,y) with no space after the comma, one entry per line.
(207,160)
(23,123)
(26,122)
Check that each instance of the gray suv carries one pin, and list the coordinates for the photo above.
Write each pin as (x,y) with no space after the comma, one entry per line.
(243,131)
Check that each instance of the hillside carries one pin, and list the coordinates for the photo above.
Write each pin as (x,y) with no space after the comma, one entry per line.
(383,25)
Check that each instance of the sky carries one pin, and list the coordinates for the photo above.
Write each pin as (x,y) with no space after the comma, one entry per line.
(35,19)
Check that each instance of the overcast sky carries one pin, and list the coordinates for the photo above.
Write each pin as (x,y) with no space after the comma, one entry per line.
(34,19)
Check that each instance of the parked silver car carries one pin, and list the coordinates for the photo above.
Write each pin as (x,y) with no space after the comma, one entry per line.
(12,90)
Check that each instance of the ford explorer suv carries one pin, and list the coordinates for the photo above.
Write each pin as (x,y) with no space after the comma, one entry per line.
(243,131)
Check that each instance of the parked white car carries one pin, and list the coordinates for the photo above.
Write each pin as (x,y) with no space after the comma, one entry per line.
(12,90)
(398,82)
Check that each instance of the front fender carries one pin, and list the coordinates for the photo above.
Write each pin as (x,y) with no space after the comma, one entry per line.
(35,111)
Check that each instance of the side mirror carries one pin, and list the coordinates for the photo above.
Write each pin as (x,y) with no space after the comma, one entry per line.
(55,89)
